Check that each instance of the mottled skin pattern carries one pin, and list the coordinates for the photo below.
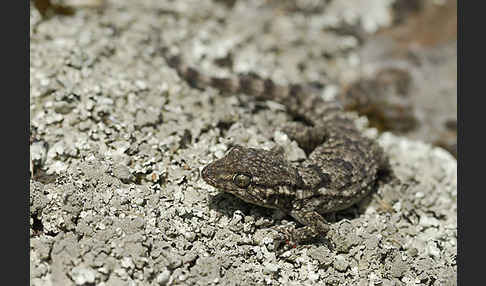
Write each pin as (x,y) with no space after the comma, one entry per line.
(342,165)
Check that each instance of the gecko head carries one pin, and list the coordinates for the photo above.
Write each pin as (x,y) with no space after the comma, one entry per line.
(247,172)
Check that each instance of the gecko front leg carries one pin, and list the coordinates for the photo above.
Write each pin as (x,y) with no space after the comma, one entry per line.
(314,226)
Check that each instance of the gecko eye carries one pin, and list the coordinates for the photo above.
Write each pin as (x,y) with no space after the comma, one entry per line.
(241,180)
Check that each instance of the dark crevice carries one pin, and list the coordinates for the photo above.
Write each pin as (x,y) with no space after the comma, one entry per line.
(224,125)
(186,139)
(41,176)
(37,225)
(192,262)
(48,9)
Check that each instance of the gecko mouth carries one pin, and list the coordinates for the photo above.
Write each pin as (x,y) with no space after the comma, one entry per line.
(207,176)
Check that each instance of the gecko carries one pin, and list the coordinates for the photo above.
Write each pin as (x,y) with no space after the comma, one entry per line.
(341,168)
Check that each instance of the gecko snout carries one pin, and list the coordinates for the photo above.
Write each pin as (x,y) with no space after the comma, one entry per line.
(206,174)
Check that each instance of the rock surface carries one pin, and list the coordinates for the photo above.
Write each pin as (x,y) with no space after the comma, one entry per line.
(117,199)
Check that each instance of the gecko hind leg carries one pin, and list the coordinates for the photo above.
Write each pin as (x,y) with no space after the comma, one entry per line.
(307,137)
